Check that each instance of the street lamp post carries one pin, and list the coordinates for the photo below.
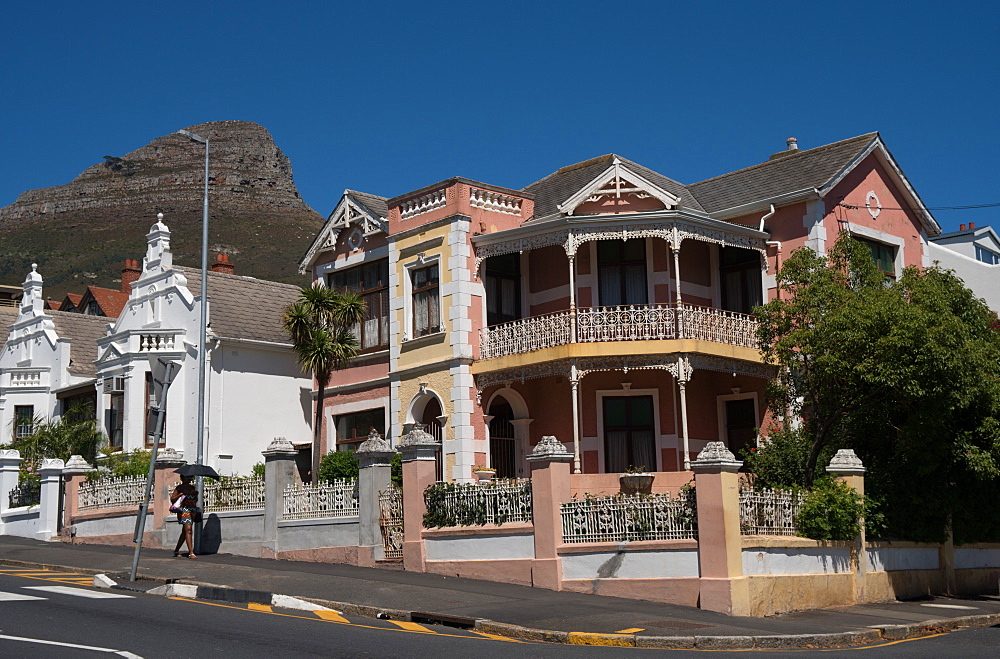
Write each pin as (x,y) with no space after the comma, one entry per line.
(203,325)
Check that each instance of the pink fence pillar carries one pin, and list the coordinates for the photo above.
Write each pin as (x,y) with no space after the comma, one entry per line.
(550,488)
(723,587)
(164,478)
(74,473)
(419,471)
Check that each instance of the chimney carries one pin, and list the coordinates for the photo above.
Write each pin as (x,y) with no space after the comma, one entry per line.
(130,273)
(961,227)
(793,144)
(972,225)
(223,265)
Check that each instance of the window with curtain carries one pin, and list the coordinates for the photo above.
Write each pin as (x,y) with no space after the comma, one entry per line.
(740,274)
(24,421)
(371,280)
(426,301)
(354,428)
(503,288)
(621,268)
(629,433)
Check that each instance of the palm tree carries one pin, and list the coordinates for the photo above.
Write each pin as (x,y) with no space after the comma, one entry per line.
(321,324)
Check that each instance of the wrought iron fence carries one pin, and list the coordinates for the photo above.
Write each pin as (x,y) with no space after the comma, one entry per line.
(769,512)
(391,521)
(112,492)
(630,517)
(232,494)
(25,494)
(477,504)
(336,499)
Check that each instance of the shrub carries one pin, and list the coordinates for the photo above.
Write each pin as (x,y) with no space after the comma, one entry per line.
(396,466)
(780,460)
(832,511)
(258,470)
(338,465)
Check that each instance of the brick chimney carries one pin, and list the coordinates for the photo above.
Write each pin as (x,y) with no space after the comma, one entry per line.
(131,272)
(972,225)
(223,265)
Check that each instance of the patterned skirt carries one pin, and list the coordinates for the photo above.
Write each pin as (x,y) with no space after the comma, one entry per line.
(187,514)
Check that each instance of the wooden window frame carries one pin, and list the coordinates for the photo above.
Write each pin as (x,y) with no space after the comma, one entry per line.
(377,295)
(422,296)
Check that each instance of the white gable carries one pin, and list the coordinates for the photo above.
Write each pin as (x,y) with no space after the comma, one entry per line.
(347,213)
(618,182)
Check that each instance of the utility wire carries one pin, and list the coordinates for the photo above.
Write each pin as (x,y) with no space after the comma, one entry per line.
(930,208)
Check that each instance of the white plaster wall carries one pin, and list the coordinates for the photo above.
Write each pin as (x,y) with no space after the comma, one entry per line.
(480,548)
(122,525)
(672,564)
(982,279)
(21,522)
(259,394)
(795,560)
(892,559)
(967,559)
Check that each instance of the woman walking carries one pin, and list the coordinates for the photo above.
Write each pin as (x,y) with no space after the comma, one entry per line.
(184,499)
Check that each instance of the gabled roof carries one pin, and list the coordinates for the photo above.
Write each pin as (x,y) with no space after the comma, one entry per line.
(802,170)
(70,302)
(354,207)
(83,331)
(244,307)
(972,234)
(110,301)
(561,185)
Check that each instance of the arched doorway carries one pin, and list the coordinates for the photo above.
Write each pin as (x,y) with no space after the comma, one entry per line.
(430,418)
(503,440)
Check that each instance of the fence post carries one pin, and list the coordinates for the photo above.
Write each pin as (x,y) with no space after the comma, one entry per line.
(279,472)
(374,475)
(10,461)
(167,460)
(74,474)
(549,463)
(48,514)
(847,467)
(419,471)
(723,587)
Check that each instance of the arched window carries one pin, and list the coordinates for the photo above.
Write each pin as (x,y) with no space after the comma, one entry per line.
(429,417)
(503,443)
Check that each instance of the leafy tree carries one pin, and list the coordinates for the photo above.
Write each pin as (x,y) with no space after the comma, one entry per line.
(320,324)
(338,465)
(75,433)
(906,372)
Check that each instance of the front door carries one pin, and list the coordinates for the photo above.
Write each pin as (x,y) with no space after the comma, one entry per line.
(741,425)
(629,433)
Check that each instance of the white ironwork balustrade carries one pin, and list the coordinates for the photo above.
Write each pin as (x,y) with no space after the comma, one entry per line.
(231,494)
(629,517)
(718,326)
(336,499)
(769,512)
(525,335)
(112,492)
(476,504)
(639,322)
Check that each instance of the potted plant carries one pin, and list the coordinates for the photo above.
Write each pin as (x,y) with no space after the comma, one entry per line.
(636,480)
(483,473)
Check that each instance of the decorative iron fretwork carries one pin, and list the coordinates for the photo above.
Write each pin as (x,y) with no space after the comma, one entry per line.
(629,518)
(112,492)
(25,494)
(335,499)
(769,512)
(391,521)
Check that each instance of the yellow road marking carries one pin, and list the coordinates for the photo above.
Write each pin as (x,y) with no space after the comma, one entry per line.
(411,626)
(631,630)
(332,616)
(615,640)
(353,624)
(496,637)
(903,640)
(253,606)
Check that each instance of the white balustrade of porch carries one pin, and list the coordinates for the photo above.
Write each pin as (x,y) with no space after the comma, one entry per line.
(640,322)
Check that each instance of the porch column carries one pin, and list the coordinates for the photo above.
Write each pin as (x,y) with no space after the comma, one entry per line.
(279,473)
(550,488)
(10,461)
(419,450)
(683,376)
(722,585)
(74,473)
(574,382)
(847,467)
(48,515)
(676,250)
(572,298)
(374,476)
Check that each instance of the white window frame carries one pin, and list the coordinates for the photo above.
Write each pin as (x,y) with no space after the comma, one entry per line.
(720,406)
(885,239)
(421,262)
(658,437)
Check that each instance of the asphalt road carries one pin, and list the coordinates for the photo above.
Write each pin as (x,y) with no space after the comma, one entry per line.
(47,614)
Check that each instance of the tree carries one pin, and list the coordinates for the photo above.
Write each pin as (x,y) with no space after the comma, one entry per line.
(320,324)
(76,432)
(905,372)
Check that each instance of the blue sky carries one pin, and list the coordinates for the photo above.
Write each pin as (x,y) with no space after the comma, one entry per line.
(387,97)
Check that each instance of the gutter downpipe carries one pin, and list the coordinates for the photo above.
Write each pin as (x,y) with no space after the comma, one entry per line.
(776,243)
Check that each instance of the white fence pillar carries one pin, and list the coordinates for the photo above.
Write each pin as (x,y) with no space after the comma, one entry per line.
(48,516)
(10,460)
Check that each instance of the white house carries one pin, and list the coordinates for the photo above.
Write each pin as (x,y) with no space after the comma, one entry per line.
(46,361)
(255,390)
(974,254)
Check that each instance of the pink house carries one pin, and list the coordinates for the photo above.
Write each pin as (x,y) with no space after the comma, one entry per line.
(605,304)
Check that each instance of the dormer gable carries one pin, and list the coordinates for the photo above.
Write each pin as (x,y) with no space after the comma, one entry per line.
(352,212)
(618,189)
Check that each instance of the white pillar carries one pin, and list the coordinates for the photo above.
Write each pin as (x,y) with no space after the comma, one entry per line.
(572,298)
(677,283)
(683,375)
(574,380)
(48,515)
(10,460)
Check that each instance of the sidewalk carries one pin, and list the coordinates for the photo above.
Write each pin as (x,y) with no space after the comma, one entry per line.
(516,610)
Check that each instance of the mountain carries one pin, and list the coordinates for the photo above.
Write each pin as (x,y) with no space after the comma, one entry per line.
(81,233)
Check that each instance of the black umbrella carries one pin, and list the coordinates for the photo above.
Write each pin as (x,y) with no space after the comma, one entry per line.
(197,470)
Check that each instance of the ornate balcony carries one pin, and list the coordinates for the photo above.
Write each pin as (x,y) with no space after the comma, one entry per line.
(622,323)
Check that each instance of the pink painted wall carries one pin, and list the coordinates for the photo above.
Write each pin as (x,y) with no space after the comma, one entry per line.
(614,206)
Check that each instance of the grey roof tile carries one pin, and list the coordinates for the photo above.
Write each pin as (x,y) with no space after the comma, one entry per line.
(811,168)
(374,203)
(7,317)
(83,331)
(244,307)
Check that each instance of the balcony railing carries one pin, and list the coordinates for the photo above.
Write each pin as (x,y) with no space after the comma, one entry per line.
(640,322)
